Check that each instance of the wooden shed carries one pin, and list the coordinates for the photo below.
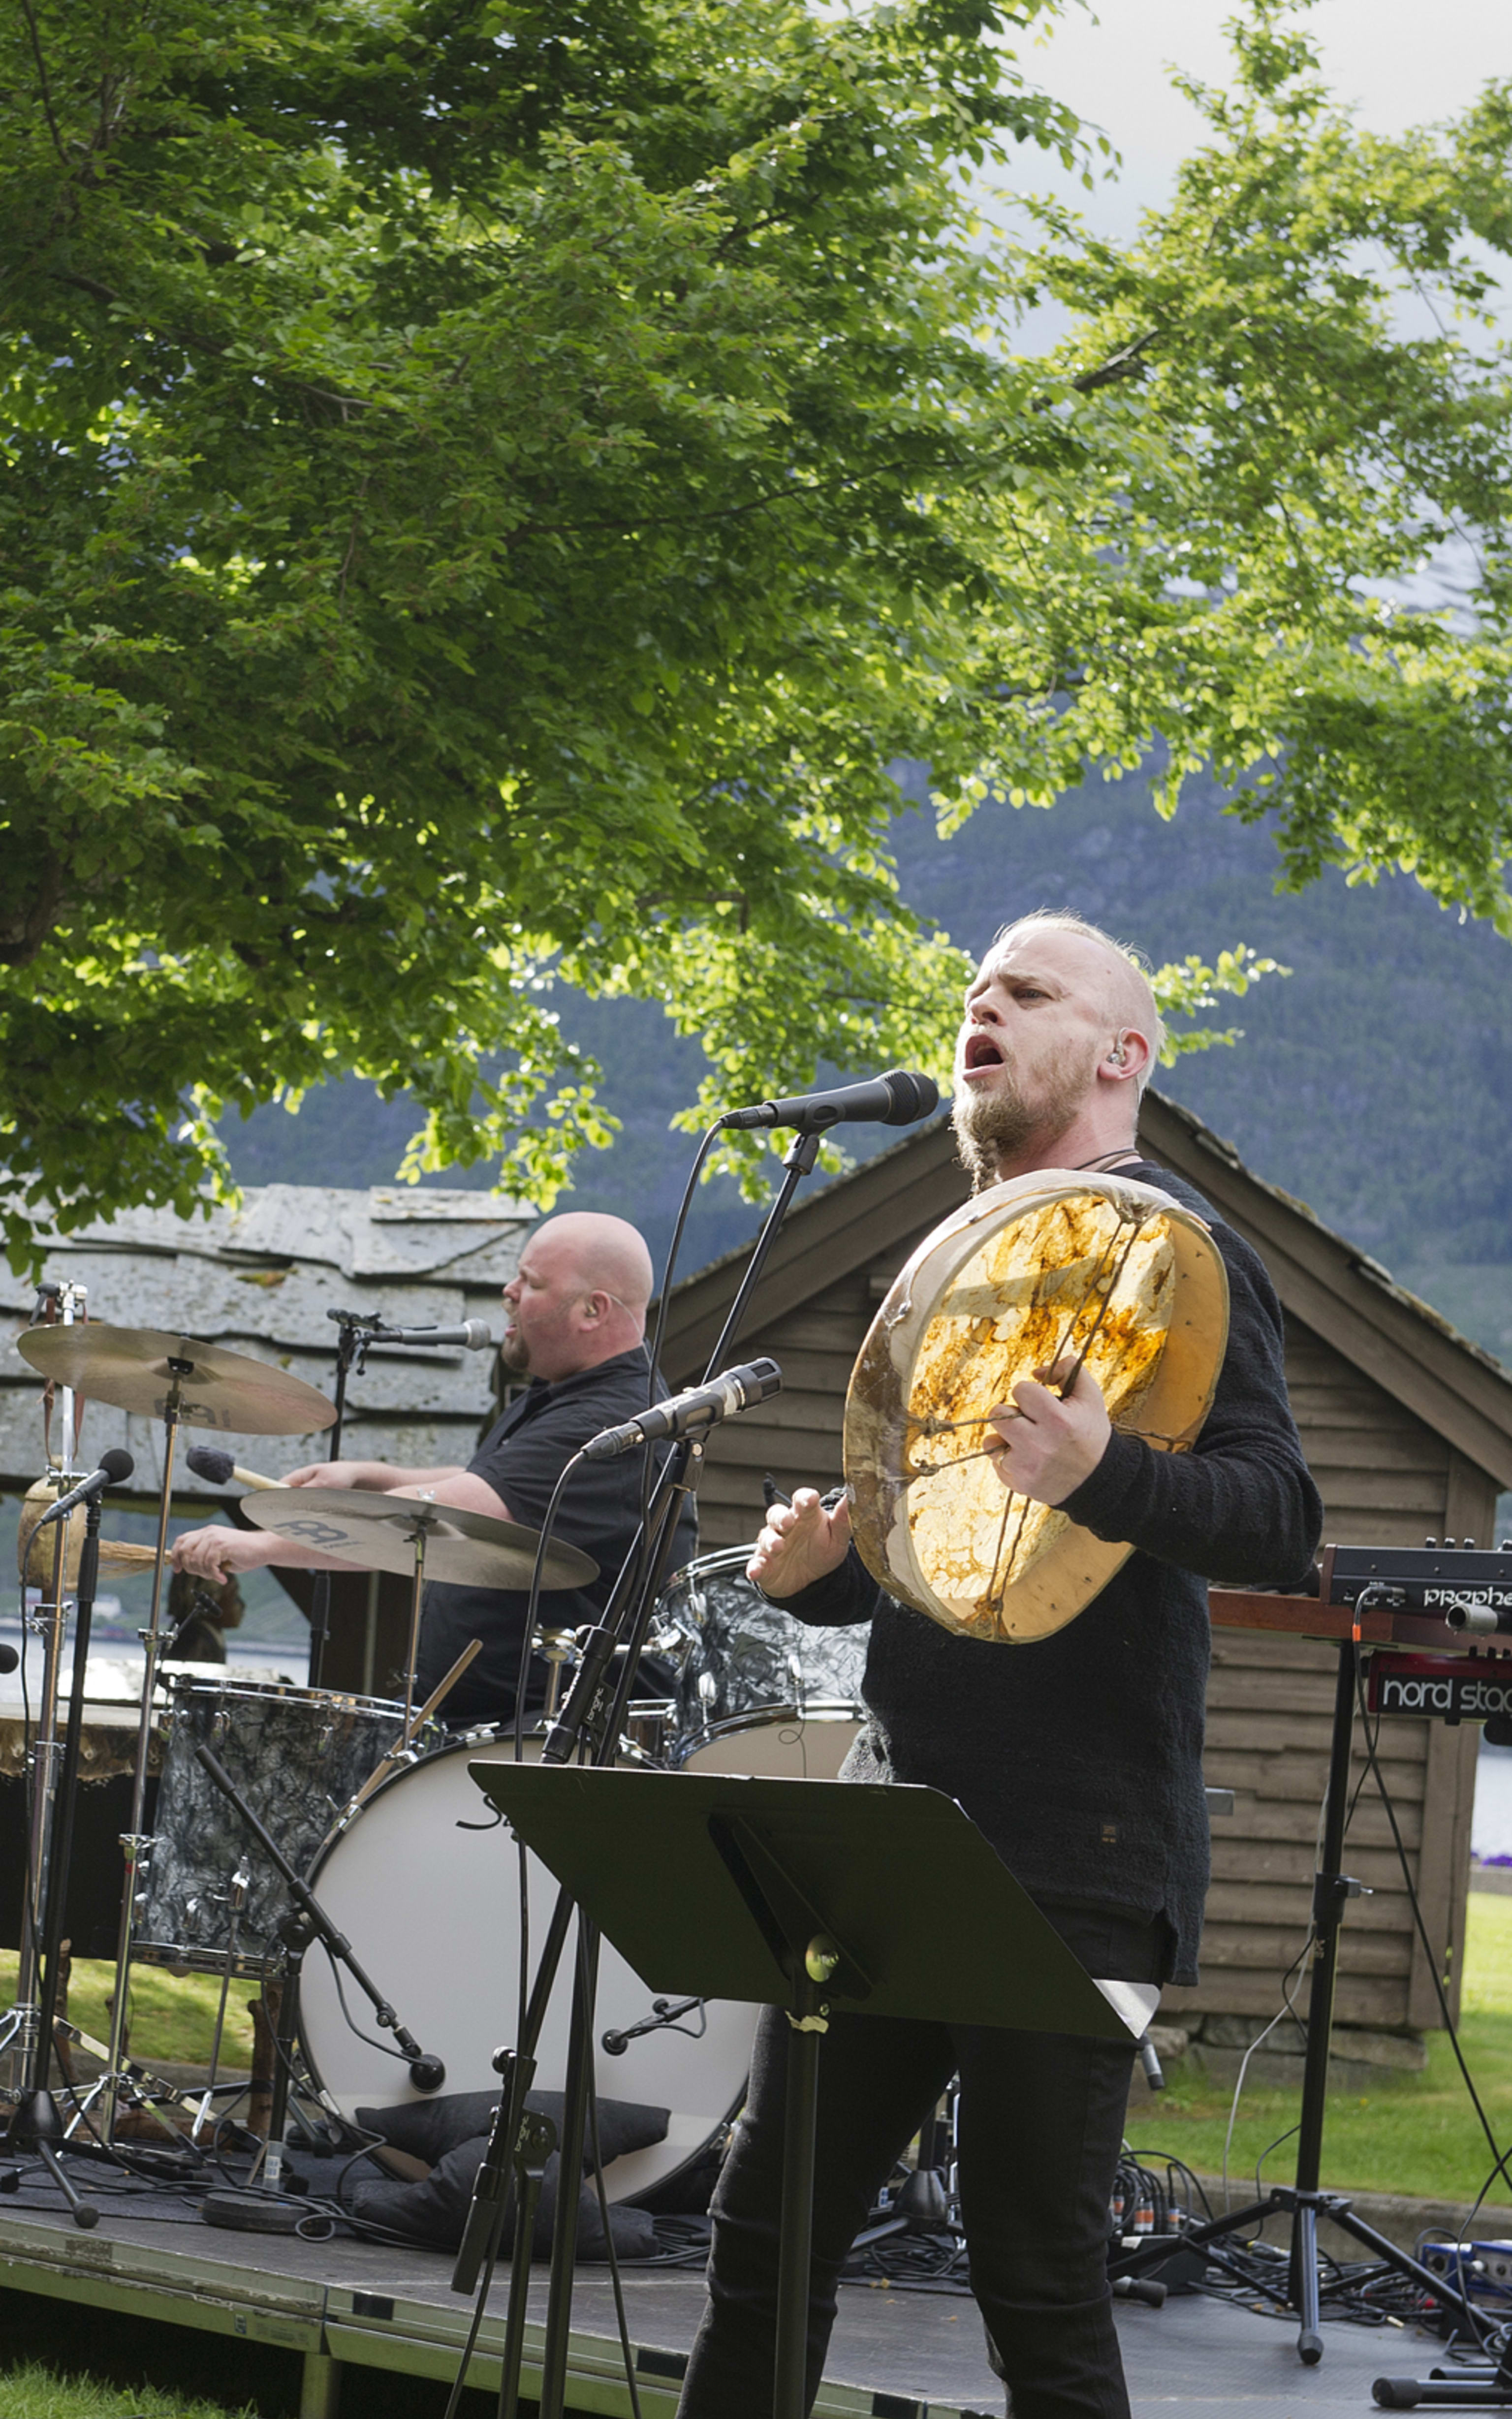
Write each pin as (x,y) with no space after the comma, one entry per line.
(1408,1428)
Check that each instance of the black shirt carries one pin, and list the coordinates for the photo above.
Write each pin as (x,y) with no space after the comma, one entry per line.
(521,1459)
(1080,1755)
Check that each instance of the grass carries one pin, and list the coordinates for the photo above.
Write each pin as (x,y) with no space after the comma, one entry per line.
(172,2016)
(1413,2134)
(33,2392)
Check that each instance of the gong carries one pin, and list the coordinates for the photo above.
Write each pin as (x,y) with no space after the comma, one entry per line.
(1116,1275)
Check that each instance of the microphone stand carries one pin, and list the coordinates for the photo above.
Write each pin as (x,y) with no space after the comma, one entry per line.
(630,1608)
(351,1351)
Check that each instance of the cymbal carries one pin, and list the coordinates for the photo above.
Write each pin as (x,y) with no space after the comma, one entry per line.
(135,1369)
(377,1531)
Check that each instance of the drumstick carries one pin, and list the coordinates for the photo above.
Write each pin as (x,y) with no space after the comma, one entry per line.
(417,1723)
(219,1468)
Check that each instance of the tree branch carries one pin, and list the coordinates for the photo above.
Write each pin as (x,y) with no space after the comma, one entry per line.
(30,15)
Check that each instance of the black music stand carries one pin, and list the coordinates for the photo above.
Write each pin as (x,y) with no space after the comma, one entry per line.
(803,1894)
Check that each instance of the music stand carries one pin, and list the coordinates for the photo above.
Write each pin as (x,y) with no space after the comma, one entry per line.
(803,1894)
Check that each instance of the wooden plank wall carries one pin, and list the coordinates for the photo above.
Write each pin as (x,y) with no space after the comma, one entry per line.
(1385,1477)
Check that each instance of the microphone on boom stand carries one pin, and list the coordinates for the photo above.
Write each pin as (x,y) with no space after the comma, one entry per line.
(896,1099)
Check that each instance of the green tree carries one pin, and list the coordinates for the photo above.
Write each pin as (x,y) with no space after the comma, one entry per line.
(488,489)
(1267,525)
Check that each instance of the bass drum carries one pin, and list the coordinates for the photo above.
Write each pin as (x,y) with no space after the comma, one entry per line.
(758,1692)
(425,1882)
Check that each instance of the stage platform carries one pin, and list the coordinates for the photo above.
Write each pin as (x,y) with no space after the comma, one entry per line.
(896,2354)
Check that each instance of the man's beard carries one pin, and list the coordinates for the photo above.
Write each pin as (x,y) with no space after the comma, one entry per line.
(993,1126)
(516,1355)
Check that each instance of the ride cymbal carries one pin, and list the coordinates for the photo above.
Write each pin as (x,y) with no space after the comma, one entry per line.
(377,1531)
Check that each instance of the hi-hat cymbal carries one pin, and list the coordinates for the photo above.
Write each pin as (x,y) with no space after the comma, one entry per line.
(142,1369)
(377,1531)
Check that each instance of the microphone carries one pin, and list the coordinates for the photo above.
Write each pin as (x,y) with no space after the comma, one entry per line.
(734,1390)
(207,1461)
(473,1336)
(10,1659)
(895,1098)
(114,1466)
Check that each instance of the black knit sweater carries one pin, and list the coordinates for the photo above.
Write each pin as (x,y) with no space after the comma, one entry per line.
(1080,1756)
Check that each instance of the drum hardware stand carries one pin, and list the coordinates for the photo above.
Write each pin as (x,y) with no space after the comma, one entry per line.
(632,1613)
(236,1898)
(666,2015)
(21,2034)
(926,2203)
(426,2074)
(136,1842)
(37,2123)
(556,1648)
(416,1605)
(297,1933)
(1304,2202)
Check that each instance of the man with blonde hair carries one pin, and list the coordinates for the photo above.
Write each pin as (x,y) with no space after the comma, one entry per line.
(576,1330)
(1079,1756)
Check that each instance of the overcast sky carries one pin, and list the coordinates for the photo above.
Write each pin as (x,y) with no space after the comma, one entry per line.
(1401,63)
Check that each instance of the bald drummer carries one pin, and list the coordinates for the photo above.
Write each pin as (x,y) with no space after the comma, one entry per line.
(576,1330)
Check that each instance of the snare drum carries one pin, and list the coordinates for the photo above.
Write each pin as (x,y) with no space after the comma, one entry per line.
(297,1756)
(757,1690)
(425,1882)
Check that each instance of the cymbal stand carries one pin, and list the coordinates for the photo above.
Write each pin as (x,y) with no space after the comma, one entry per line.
(135,1845)
(627,1616)
(236,1897)
(22,2037)
(37,2123)
(417,1599)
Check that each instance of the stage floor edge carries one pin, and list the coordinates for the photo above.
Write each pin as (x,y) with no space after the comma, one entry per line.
(344,2303)
(894,2355)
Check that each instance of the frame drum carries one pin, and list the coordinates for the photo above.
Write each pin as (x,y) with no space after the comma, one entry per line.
(1114,1275)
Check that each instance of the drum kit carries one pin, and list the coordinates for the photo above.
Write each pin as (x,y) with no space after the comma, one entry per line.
(368,1806)
(368,1798)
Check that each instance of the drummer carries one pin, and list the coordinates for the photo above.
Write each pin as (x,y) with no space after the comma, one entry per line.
(575,1330)
(1078,1755)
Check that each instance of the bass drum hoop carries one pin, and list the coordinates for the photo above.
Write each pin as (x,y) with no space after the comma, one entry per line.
(639,2175)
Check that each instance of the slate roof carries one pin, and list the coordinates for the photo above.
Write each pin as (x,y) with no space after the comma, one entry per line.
(260,1279)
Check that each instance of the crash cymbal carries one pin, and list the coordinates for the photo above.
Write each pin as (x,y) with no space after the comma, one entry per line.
(377,1531)
(141,1369)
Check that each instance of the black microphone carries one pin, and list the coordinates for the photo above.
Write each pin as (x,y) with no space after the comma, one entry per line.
(473,1336)
(10,1659)
(892,1100)
(114,1466)
(734,1390)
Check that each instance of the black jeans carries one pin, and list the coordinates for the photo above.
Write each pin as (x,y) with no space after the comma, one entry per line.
(1040,2122)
